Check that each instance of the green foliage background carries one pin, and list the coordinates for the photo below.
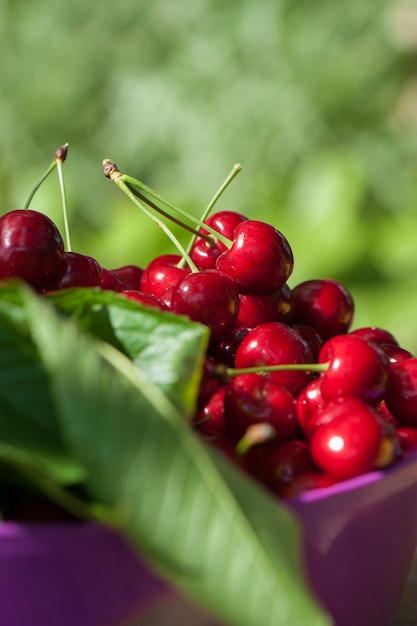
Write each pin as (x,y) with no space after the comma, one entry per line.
(317,100)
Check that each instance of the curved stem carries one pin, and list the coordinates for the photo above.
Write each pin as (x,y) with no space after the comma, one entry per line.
(231,372)
(59,162)
(112,172)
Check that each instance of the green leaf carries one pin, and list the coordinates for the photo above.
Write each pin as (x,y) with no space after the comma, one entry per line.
(200,522)
(167,347)
(28,423)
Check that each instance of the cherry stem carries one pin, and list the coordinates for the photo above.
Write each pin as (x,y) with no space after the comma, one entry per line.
(60,156)
(255,435)
(111,171)
(145,191)
(235,171)
(230,372)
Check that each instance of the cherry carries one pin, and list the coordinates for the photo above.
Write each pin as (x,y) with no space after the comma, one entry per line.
(162,272)
(306,481)
(209,297)
(147,299)
(309,400)
(204,253)
(31,247)
(407,437)
(225,350)
(351,440)
(356,368)
(324,304)
(110,281)
(375,334)
(260,258)
(255,310)
(253,398)
(210,419)
(275,343)
(311,336)
(77,270)
(401,392)
(281,462)
(395,353)
(130,275)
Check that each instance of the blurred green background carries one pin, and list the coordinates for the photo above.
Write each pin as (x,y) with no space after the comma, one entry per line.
(316,99)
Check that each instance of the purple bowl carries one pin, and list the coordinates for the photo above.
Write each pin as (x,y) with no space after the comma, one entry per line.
(359,541)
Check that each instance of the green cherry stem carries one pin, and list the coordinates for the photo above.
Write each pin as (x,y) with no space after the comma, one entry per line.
(113,173)
(142,191)
(60,156)
(235,171)
(51,167)
(230,372)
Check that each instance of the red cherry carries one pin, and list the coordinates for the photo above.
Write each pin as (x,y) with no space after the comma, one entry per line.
(311,336)
(209,297)
(147,299)
(77,270)
(161,273)
(260,259)
(281,462)
(130,275)
(203,253)
(275,343)
(225,350)
(110,281)
(306,481)
(309,400)
(31,247)
(401,392)
(210,419)
(407,438)
(255,310)
(324,304)
(356,368)
(349,440)
(252,399)
(375,334)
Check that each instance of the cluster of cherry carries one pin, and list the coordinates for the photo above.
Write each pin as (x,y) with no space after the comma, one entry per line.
(289,392)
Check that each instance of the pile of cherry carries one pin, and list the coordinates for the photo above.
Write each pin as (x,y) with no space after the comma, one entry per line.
(289,392)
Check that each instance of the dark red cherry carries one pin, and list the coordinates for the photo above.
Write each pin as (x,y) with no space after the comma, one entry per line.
(147,299)
(281,462)
(356,368)
(203,253)
(225,350)
(130,275)
(161,273)
(324,304)
(77,270)
(260,259)
(375,334)
(407,437)
(311,336)
(352,440)
(209,297)
(309,400)
(251,399)
(401,392)
(275,343)
(210,419)
(31,247)
(110,281)
(306,481)
(255,310)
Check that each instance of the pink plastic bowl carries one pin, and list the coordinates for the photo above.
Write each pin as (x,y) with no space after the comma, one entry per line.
(359,541)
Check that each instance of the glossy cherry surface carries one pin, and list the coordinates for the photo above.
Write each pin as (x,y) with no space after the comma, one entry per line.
(204,254)
(356,368)
(252,399)
(162,272)
(275,343)
(209,297)
(401,393)
(348,443)
(260,259)
(255,310)
(31,247)
(77,270)
(324,304)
